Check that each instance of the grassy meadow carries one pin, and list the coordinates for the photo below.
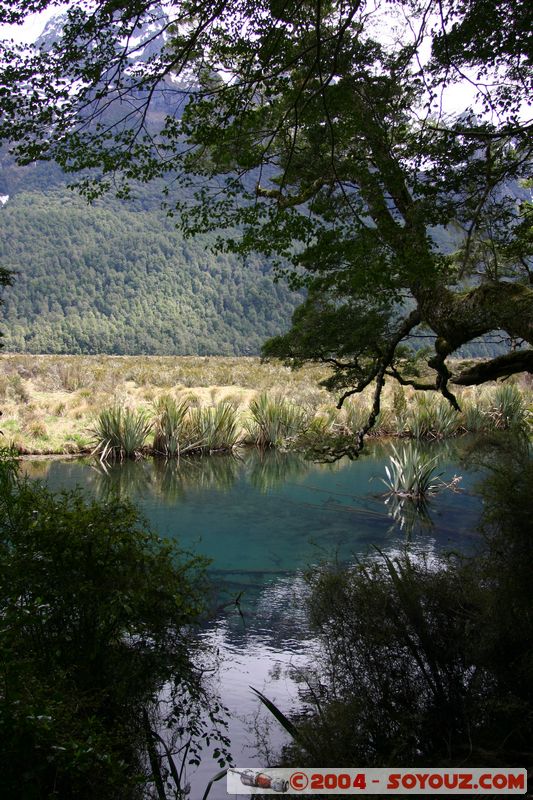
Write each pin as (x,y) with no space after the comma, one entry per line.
(53,404)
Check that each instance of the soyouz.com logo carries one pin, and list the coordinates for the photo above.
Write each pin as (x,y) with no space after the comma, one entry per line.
(250,781)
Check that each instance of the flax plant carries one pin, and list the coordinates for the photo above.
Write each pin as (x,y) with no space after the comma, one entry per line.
(507,409)
(120,433)
(432,418)
(411,474)
(215,427)
(171,430)
(274,420)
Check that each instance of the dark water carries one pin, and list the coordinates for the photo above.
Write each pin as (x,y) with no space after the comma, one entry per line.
(262,520)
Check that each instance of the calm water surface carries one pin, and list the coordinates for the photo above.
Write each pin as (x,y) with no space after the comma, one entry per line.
(262,520)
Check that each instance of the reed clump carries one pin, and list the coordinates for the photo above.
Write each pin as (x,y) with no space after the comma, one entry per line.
(120,433)
(49,403)
(273,420)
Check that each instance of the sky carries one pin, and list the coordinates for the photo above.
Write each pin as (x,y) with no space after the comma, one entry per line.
(457,98)
(32,28)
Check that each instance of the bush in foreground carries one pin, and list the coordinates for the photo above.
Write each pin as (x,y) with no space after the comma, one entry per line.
(429,664)
(97,617)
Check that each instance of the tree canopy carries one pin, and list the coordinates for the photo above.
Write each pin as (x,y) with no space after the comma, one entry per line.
(318,133)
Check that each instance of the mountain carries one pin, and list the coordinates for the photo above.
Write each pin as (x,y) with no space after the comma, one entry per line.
(116,276)
(119,278)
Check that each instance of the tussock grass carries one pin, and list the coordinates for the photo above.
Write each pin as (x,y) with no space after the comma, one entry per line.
(120,433)
(50,403)
(273,420)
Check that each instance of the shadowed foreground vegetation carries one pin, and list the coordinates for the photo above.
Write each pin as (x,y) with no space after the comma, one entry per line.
(98,650)
(125,406)
(425,663)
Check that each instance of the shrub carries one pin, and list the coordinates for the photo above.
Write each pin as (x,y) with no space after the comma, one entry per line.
(97,616)
(17,390)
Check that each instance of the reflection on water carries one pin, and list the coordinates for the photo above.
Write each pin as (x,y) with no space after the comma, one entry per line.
(262,518)
(171,480)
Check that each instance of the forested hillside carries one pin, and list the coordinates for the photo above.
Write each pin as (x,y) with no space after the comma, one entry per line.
(118,278)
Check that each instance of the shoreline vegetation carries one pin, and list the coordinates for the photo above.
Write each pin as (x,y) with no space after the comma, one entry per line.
(128,406)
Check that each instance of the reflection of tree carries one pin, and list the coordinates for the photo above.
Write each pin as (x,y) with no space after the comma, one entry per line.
(270,468)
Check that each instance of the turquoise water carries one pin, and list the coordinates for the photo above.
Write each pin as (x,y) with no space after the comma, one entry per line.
(262,520)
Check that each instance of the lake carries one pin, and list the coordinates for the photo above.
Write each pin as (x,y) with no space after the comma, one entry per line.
(262,519)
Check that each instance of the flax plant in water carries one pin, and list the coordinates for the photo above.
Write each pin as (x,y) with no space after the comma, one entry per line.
(215,427)
(411,474)
(120,433)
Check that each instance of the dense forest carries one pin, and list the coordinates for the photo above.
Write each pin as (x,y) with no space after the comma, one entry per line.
(117,277)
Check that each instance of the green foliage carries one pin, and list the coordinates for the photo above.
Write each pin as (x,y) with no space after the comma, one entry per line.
(115,279)
(428,662)
(508,410)
(6,279)
(169,425)
(97,616)
(410,473)
(356,414)
(274,419)
(214,427)
(432,418)
(474,417)
(332,152)
(120,433)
